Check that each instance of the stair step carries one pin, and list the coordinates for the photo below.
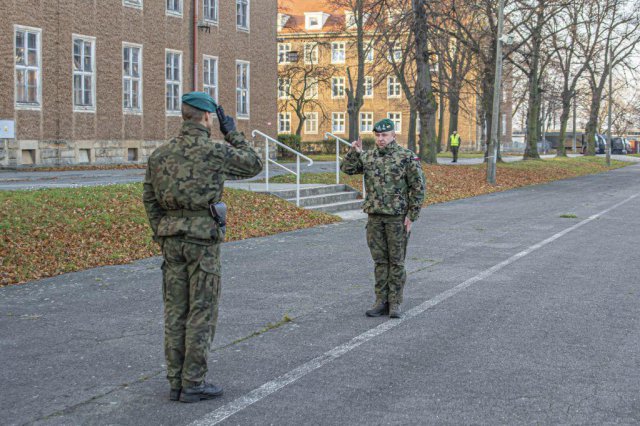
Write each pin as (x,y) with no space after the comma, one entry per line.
(338,207)
(323,199)
(307,192)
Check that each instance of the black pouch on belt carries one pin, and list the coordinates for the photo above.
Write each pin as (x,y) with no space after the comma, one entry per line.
(219,214)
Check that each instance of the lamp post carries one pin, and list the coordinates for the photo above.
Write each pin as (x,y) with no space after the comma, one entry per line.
(610,100)
(493,144)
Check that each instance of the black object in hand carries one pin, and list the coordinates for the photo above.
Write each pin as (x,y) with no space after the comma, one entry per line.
(226,123)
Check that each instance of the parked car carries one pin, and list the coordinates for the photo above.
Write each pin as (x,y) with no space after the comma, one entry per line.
(619,145)
(600,145)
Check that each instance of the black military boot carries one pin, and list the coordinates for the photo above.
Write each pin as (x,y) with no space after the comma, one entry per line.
(200,392)
(394,310)
(174,394)
(378,309)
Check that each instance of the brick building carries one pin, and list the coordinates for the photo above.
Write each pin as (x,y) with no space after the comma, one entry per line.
(88,81)
(322,35)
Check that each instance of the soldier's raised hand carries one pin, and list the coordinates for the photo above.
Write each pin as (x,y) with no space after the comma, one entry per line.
(226,123)
(357,145)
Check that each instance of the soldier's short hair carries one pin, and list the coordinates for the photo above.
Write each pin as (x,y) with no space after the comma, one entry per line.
(190,113)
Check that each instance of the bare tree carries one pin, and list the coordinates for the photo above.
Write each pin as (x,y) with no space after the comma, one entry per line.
(615,47)
(299,83)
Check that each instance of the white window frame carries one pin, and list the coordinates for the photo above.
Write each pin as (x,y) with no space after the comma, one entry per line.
(320,17)
(393,83)
(368,128)
(133,110)
(92,107)
(335,48)
(136,4)
(28,105)
(171,112)
(396,117)
(239,115)
(395,55)
(335,80)
(248,15)
(368,84)
(311,53)
(370,54)
(341,119)
(311,118)
(207,86)
(284,87)
(171,12)
(216,9)
(284,118)
(283,53)
(312,85)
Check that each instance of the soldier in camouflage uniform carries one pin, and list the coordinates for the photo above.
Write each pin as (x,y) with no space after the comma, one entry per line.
(395,189)
(184,179)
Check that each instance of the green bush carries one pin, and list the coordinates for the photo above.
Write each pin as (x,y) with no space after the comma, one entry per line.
(290,140)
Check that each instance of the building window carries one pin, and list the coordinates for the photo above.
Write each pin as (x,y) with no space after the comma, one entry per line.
(337,52)
(27,68)
(210,8)
(284,87)
(504,124)
(84,70)
(133,3)
(174,7)
(396,117)
(393,87)
(132,78)
(242,14)
(210,77)
(284,122)
(315,20)
(242,89)
(283,52)
(366,122)
(337,87)
(368,87)
(396,52)
(369,54)
(312,88)
(311,53)
(338,122)
(173,80)
(311,123)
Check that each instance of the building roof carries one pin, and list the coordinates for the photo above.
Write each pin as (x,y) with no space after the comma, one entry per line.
(296,9)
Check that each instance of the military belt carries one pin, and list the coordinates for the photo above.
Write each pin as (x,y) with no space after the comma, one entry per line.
(188,213)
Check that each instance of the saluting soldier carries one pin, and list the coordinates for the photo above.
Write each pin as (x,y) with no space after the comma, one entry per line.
(395,190)
(182,193)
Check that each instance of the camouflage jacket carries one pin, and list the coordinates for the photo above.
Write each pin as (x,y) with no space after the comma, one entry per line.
(188,173)
(393,180)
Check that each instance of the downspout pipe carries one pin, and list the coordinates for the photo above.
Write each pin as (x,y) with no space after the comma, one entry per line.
(195,45)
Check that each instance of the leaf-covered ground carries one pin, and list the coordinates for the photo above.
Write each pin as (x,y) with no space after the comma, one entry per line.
(53,231)
(446,183)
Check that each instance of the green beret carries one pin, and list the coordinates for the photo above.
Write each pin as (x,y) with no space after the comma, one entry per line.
(200,100)
(384,125)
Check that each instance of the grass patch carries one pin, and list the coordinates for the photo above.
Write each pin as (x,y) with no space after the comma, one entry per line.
(53,231)
(568,216)
(446,183)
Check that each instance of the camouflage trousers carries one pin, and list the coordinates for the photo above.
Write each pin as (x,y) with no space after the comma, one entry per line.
(190,290)
(387,239)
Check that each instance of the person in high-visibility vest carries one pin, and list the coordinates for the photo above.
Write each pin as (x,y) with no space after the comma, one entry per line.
(454,143)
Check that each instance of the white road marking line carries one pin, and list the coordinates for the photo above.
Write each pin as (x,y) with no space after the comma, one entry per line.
(268,388)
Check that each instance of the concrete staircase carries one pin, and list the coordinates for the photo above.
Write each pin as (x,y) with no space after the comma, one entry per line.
(325,198)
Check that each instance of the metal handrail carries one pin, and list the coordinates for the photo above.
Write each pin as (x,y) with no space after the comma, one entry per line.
(339,140)
(268,139)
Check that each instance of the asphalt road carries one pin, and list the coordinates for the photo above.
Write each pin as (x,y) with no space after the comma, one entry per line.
(515,316)
(15,180)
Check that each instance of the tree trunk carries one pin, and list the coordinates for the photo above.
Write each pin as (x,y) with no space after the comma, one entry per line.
(411,138)
(564,122)
(592,124)
(454,110)
(441,121)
